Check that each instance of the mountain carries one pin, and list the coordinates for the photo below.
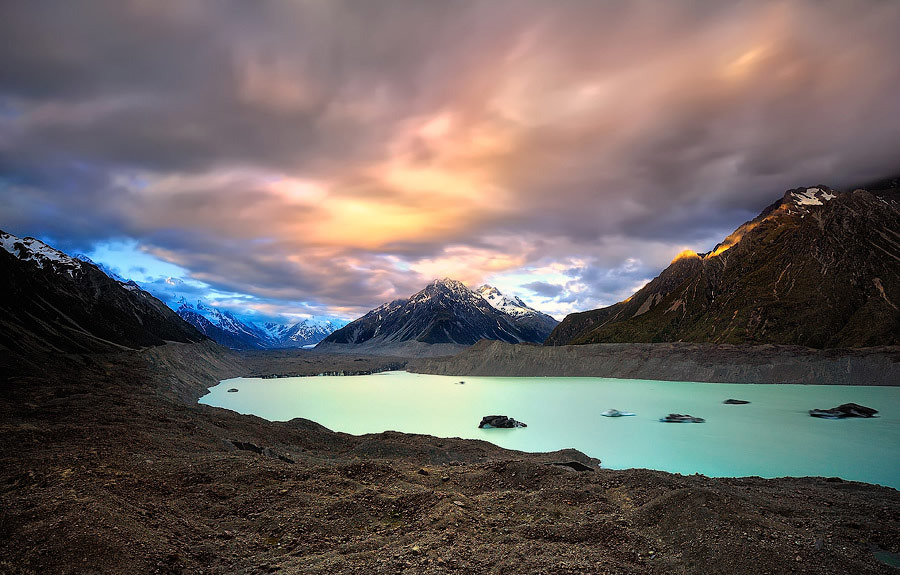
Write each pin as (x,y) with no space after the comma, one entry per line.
(226,328)
(525,317)
(817,268)
(448,312)
(304,333)
(103,267)
(50,301)
(222,326)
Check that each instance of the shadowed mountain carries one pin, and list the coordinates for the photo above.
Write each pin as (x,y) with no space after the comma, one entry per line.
(817,268)
(52,302)
(447,312)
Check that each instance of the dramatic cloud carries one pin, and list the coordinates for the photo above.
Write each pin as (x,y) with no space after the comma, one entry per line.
(329,156)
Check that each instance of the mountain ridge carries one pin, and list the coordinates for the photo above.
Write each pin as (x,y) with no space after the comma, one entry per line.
(446,311)
(50,301)
(227,329)
(816,268)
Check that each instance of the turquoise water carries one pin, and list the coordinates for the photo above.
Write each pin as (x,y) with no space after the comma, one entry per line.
(771,437)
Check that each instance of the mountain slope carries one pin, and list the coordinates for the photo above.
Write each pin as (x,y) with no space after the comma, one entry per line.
(527,318)
(307,332)
(222,326)
(52,302)
(227,329)
(446,312)
(817,268)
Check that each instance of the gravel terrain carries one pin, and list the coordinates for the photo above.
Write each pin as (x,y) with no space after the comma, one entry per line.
(108,465)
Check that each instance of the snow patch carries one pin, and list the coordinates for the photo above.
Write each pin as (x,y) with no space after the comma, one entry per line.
(30,249)
(510,306)
(812,197)
(807,198)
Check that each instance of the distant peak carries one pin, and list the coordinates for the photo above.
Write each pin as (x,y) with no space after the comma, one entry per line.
(448,282)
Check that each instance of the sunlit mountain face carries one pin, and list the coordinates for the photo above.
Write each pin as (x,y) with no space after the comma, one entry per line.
(312,160)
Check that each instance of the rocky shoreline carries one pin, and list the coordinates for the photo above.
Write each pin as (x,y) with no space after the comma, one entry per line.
(108,465)
(674,362)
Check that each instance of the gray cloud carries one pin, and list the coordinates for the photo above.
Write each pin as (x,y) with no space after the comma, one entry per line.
(545,289)
(341,153)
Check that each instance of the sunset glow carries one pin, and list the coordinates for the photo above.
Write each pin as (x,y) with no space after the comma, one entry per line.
(325,157)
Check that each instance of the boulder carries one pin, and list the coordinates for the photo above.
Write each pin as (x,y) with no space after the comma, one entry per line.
(845,410)
(679,418)
(499,421)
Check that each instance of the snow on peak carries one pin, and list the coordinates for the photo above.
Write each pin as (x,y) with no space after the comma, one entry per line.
(312,330)
(271,334)
(511,306)
(812,196)
(33,250)
(451,284)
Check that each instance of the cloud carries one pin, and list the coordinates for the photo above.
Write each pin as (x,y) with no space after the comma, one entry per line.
(544,289)
(334,155)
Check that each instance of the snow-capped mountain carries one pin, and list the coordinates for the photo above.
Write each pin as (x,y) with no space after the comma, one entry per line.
(817,268)
(447,311)
(222,326)
(303,333)
(525,316)
(310,331)
(229,330)
(512,306)
(34,250)
(50,301)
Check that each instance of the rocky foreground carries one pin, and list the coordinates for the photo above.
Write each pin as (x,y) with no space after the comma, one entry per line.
(108,465)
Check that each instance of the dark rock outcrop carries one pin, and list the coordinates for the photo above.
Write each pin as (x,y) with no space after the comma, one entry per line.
(499,421)
(680,418)
(845,410)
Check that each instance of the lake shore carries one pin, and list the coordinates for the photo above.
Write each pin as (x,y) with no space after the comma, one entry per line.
(772,436)
(109,465)
(713,363)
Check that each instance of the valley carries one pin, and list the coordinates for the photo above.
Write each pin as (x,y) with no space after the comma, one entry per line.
(449,288)
(109,465)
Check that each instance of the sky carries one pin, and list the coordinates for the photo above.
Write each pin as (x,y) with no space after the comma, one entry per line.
(316,157)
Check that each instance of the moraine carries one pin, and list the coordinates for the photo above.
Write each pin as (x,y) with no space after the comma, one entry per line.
(773,436)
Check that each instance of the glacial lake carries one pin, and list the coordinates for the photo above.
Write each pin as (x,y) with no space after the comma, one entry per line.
(773,436)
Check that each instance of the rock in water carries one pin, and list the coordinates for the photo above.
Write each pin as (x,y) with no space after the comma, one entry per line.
(680,418)
(499,421)
(615,413)
(845,410)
